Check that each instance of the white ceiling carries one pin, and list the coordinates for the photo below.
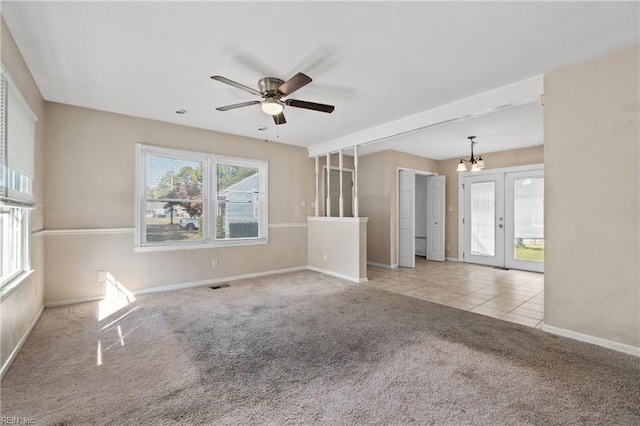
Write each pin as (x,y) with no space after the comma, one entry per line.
(377,62)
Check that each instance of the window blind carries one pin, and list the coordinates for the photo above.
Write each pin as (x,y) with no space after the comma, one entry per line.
(17,147)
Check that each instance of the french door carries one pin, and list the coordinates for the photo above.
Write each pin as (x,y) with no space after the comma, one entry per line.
(503,219)
(524,237)
(484,219)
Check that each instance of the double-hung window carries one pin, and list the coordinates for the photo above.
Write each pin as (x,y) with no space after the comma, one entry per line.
(239,198)
(17,171)
(189,199)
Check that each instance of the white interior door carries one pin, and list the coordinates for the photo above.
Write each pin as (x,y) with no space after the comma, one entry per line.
(484,219)
(435,217)
(421,215)
(406,218)
(524,214)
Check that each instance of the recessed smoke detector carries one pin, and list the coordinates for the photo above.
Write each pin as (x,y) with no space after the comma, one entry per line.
(181,111)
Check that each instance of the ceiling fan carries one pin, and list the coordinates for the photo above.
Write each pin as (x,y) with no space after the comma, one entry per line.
(272,90)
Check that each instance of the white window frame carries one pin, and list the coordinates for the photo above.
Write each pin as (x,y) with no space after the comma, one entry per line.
(262,188)
(142,152)
(209,198)
(24,269)
(19,187)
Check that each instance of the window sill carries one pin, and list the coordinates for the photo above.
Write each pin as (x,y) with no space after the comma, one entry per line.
(218,244)
(14,283)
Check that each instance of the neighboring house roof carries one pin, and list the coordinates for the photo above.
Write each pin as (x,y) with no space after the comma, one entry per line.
(244,190)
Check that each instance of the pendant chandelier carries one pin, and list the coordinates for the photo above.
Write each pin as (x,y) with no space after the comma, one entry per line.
(477,163)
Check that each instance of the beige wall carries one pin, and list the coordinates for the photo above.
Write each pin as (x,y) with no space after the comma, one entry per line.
(494,160)
(90,184)
(19,309)
(378,192)
(338,246)
(592,197)
(373,192)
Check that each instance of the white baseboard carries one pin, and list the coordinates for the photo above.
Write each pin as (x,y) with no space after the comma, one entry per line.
(73,301)
(23,339)
(170,287)
(382,265)
(200,283)
(216,280)
(610,344)
(452,259)
(339,275)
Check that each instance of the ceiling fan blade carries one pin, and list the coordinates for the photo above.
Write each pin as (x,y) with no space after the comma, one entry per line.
(310,105)
(279,119)
(234,106)
(225,80)
(294,83)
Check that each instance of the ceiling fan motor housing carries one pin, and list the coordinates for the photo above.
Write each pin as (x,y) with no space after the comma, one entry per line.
(268,86)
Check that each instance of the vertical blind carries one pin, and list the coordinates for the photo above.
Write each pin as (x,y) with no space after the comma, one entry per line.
(17,147)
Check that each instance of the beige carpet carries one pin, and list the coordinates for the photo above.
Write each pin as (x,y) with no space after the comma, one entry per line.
(305,348)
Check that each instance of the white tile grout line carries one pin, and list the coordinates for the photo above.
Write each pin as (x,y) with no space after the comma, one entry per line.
(506,313)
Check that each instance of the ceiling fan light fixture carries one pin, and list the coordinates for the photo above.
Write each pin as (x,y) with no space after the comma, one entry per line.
(480,163)
(461,167)
(272,106)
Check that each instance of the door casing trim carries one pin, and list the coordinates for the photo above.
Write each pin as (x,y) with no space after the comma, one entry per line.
(397,184)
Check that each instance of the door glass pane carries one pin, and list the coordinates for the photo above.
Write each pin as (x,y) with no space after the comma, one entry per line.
(529,219)
(483,229)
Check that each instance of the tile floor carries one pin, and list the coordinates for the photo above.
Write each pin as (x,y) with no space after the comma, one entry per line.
(515,296)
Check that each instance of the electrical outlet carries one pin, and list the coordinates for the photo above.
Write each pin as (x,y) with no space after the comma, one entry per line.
(214,263)
(324,257)
(303,203)
(102,276)
(37,290)
(448,247)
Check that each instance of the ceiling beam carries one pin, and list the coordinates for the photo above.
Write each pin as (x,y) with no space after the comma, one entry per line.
(512,95)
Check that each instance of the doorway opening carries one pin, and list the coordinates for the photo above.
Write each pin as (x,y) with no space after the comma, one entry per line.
(421,216)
